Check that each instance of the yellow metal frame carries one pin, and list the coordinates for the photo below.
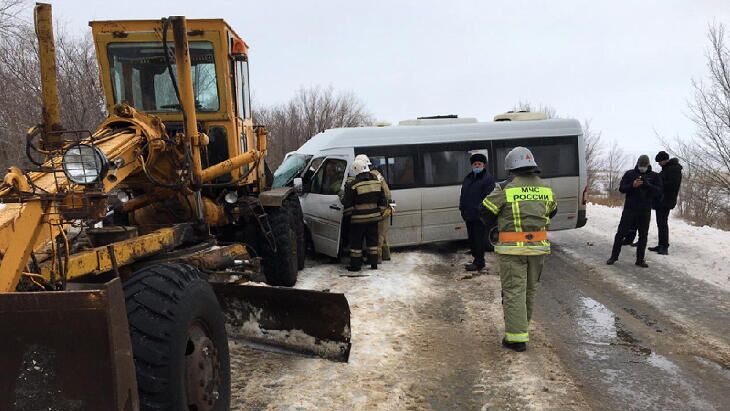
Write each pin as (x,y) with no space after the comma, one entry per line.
(99,260)
(219,34)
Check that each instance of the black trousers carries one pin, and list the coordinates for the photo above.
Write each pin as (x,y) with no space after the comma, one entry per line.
(358,232)
(477,233)
(629,219)
(345,233)
(662,225)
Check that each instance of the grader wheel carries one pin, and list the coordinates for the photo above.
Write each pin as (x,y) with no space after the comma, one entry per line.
(297,217)
(281,265)
(178,339)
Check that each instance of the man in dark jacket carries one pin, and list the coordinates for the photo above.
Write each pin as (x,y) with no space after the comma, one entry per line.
(671,176)
(641,186)
(477,185)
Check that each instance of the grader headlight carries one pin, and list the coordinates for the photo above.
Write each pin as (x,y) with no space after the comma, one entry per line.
(84,164)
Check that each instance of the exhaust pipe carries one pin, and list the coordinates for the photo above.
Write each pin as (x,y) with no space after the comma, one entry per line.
(49,82)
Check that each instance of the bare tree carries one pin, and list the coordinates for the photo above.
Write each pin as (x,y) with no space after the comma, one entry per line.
(711,112)
(80,92)
(310,111)
(9,10)
(704,196)
(593,153)
(614,167)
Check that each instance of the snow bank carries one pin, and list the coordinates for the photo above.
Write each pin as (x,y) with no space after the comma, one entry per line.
(698,252)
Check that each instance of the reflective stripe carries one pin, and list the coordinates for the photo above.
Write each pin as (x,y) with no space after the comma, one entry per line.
(517,337)
(366,206)
(518,220)
(527,193)
(367,186)
(490,206)
(522,249)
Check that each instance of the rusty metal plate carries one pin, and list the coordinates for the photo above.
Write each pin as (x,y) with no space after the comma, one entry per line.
(288,319)
(66,350)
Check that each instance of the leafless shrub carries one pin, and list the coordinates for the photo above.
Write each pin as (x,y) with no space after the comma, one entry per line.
(614,166)
(310,111)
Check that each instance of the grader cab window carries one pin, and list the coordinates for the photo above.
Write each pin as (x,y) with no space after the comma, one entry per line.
(141,79)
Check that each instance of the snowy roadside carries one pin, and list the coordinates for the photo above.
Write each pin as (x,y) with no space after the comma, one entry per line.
(381,301)
(698,252)
(425,336)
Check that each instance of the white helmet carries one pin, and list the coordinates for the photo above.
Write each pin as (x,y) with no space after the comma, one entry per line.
(364,158)
(360,166)
(519,157)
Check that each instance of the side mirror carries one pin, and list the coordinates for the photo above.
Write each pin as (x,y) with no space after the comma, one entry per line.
(298,185)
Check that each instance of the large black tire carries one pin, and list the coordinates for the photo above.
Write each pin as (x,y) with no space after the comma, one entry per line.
(179,340)
(280,266)
(297,218)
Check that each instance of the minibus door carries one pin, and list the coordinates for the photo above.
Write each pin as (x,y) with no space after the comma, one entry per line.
(322,206)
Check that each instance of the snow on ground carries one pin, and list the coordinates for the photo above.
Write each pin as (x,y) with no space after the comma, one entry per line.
(425,336)
(699,252)
(400,283)
(381,301)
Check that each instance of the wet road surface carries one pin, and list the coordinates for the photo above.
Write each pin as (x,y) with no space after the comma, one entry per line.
(632,353)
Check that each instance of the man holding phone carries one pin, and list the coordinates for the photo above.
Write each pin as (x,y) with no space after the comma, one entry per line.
(641,186)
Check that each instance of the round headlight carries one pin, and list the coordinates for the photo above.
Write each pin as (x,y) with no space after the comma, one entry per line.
(84,164)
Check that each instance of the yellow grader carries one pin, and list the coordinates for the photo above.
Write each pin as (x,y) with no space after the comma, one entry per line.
(130,254)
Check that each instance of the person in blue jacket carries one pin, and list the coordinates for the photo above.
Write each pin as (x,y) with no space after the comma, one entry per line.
(477,185)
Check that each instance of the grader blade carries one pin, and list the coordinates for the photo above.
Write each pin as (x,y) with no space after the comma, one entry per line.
(66,350)
(288,320)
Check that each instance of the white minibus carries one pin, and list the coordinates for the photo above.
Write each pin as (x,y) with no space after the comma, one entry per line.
(425,162)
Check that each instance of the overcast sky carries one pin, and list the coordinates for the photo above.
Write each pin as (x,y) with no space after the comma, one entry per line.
(625,65)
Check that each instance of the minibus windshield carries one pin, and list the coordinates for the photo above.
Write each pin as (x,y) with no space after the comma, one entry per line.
(290,168)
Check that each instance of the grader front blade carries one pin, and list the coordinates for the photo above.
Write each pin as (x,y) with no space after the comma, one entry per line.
(288,320)
(66,350)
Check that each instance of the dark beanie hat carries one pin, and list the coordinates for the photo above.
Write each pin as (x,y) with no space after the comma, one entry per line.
(661,156)
(478,157)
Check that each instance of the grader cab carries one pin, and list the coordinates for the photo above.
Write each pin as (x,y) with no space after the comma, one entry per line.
(127,253)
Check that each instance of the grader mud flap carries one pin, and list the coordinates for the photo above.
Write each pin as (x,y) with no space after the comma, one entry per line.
(66,350)
(288,320)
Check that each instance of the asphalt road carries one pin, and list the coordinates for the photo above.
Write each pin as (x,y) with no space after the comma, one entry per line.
(646,342)
(426,337)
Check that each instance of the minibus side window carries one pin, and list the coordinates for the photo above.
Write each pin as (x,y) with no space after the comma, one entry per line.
(398,165)
(445,167)
(556,156)
(401,171)
(328,179)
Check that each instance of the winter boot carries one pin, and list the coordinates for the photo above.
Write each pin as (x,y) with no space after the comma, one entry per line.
(663,251)
(517,346)
(473,267)
(642,263)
